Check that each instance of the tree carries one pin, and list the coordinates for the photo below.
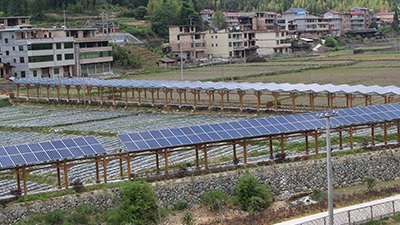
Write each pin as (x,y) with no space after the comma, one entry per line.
(138,205)
(395,23)
(187,15)
(219,20)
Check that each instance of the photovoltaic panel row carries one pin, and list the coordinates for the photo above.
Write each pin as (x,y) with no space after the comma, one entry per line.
(28,154)
(244,86)
(183,136)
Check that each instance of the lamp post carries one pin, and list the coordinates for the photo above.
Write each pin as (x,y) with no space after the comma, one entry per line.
(327,116)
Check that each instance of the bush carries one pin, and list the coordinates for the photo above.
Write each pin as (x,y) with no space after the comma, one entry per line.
(318,195)
(252,195)
(188,219)
(180,205)
(78,186)
(214,200)
(331,42)
(370,182)
(138,205)
(55,217)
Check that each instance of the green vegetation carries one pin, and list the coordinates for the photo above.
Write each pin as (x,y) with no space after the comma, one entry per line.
(4,102)
(370,182)
(394,220)
(253,196)
(188,218)
(180,205)
(138,205)
(214,200)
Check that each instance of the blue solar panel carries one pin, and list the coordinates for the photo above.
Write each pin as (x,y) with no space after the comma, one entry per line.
(35,153)
(176,137)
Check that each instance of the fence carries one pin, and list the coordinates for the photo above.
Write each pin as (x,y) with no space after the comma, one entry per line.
(357,214)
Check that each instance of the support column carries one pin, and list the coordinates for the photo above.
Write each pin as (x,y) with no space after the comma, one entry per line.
(65,174)
(197,156)
(293,95)
(234,152)
(48,92)
(195,93)
(276,96)
(121,171)
(166,96)
(316,142)
(101,89)
(271,152)
(157,163)
(306,140)
(245,152)
(105,169)
(89,91)
(37,91)
(282,144)
(78,89)
(241,94)
(258,95)
(205,157)
(222,93)
(210,94)
(152,90)
(340,140)
(312,97)
(368,100)
(351,138)
(128,165)
(385,133)
(18,178)
(58,176)
(17,92)
(166,161)
(372,135)
(97,170)
(24,180)
(113,94)
(27,91)
(330,96)
(180,92)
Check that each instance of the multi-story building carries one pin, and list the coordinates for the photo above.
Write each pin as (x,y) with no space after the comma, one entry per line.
(346,23)
(225,44)
(334,19)
(360,18)
(185,40)
(272,42)
(385,17)
(42,52)
(295,13)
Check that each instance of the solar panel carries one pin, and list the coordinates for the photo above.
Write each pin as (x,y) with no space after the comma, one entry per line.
(176,137)
(35,153)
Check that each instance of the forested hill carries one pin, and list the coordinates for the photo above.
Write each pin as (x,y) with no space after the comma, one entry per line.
(317,7)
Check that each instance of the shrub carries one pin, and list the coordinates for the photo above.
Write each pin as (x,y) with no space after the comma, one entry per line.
(180,205)
(252,195)
(78,186)
(214,200)
(138,205)
(318,195)
(370,182)
(188,218)
(55,217)
(331,42)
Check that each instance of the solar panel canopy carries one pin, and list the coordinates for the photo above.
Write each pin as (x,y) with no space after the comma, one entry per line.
(253,128)
(228,86)
(36,153)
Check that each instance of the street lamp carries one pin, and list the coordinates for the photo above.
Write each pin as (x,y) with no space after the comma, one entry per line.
(327,116)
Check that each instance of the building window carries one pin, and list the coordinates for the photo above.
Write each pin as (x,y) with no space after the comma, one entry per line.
(46,46)
(230,54)
(7,53)
(68,45)
(277,34)
(56,71)
(23,74)
(13,48)
(12,36)
(40,58)
(216,37)
(192,45)
(59,57)
(277,42)
(212,37)
(283,34)
(216,45)
(229,35)
(15,60)
(58,45)
(69,56)
(21,47)
(6,40)
(230,44)
(212,45)
(34,73)
(21,59)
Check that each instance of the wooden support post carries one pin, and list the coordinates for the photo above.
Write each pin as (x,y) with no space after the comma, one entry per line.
(48,92)
(121,170)
(398,131)
(245,152)
(271,151)
(128,165)
(306,140)
(58,175)
(37,91)
(105,170)
(241,94)
(145,93)
(293,95)
(157,163)
(126,96)
(222,93)
(331,96)
(340,140)
(210,102)
(166,161)
(184,96)
(234,152)
(78,89)
(276,96)
(97,170)
(24,180)
(27,91)
(18,178)
(152,90)
(89,91)
(205,157)
(166,96)
(351,138)
(113,94)
(385,133)
(227,96)
(312,97)
(316,142)
(368,100)
(194,92)
(65,174)
(158,94)
(133,94)
(170,95)
(349,100)
(282,144)
(180,91)
(197,156)
(372,135)
(67,87)
(17,92)
(258,95)
(101,89)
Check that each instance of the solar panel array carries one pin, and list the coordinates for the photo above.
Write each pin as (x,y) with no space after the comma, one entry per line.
(185,136)
(228,86)
(30,154)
